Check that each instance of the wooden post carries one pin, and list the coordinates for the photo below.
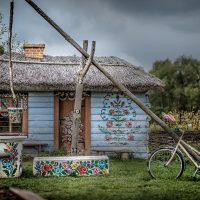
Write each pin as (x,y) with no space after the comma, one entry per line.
(56,122)
(121,87)
(87,125)
(78,102)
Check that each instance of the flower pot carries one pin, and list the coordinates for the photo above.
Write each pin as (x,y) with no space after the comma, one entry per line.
(11,166)
(15,114)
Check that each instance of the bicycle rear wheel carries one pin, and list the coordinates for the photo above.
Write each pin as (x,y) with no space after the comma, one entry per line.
(157,164)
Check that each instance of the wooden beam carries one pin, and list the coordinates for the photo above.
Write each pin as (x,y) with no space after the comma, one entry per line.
(78,101)
(87,125)
(118,84)
(56,122)
(25,122)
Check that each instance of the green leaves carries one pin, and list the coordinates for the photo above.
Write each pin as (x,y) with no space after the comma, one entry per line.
(182,79)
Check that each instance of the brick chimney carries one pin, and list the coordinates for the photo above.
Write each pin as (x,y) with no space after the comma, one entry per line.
(34,50)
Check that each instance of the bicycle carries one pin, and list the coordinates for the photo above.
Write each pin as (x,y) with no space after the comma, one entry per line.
(169,162)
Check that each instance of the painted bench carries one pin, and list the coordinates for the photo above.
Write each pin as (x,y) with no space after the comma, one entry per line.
(70,165)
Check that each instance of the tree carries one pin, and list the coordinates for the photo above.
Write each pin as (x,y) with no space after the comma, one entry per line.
(182,80)
(16,44)
(3,30)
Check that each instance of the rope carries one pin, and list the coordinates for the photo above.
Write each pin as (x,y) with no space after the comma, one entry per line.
(10,51)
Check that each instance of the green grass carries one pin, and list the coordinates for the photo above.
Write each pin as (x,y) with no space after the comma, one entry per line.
(127,180)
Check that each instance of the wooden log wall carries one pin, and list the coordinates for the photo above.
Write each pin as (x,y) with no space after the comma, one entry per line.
(118,123)
(41,118)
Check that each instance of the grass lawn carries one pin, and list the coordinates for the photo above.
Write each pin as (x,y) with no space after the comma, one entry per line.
(127,180)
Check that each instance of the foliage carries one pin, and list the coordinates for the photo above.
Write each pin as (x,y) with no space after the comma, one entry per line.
(127,180)
(184,120)
(182,80)
(16,44)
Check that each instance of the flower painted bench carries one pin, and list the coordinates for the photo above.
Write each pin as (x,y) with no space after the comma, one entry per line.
(70,165)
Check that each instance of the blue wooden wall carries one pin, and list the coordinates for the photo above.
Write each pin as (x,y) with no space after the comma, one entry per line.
(117,123)
(41,118)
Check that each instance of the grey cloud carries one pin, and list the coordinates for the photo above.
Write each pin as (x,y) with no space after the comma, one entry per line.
(140,31)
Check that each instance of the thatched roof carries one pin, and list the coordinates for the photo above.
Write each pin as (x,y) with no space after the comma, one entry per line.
(58,73)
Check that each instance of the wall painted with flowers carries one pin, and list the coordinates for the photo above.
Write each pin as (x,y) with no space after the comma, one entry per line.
(117,122)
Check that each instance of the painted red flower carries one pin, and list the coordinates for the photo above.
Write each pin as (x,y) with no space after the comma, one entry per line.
(126,112)
(109,124)
(47,167)
(111,111)
(112,104)
(130,137)
(82,169)
(65,165)
(128,124)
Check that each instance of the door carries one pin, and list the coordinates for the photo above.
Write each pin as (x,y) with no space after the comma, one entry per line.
(66,108)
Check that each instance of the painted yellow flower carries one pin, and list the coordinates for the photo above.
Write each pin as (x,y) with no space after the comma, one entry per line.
(105,171)
(75,164)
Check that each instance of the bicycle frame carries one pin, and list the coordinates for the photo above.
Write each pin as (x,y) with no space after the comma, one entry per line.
(181,147)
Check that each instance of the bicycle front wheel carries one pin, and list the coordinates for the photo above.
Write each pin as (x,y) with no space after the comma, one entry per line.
(157,164)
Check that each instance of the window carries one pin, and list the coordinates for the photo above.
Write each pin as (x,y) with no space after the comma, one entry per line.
(13,119)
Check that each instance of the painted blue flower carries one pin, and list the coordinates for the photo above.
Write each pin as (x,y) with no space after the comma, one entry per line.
(7,164)
(57,170)
(101,164)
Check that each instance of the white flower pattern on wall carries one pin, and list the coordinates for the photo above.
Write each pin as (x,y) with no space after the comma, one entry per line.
(118,112)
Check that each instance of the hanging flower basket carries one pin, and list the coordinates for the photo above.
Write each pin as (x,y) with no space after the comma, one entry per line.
(15,114)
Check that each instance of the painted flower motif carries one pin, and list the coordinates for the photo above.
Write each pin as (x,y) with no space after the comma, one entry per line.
(108,137)
(111,111)
(112,104)
(126,112)
(122,104)
(47,167)
(57,170)
(7,164)
(82,169)
(101,164)
(64,165)
(128,124)
(109,124)
(96,170)
(130,137)
(104,171)
(75,165)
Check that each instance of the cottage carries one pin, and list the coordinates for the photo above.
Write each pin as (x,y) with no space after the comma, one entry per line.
(45,90)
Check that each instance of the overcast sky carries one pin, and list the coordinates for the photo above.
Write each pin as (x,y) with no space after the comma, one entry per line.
(140,31)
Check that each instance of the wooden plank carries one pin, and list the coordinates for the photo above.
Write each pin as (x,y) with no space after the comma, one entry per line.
(41,124)
(41,105)
(136,118)
(87,126)
(41,111)
(41,130)
(41,99)
(121,149)
(116,143)
(25,122)
(56,122)
(139,124)
(133,130)
(41,137)
(41,117)
(97,111)
(25,195)
(136,137)
(100,94)
(41,94)
(95,101)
